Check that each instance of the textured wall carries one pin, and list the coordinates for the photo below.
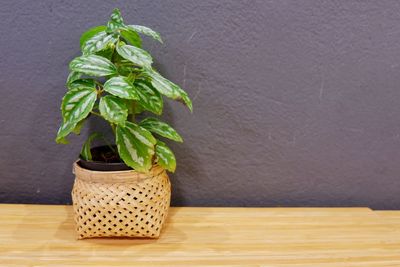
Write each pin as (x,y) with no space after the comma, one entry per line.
(295,102)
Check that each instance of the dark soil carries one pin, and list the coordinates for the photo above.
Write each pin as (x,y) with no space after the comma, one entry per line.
(105,154)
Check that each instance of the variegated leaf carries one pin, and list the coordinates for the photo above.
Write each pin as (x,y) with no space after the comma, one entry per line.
(93,65)
(135,146)
(149,98)
(164,86)
(98,42)
(184,97)
(82,83)
(115,21)
(165,156)
(161,128)
(78,127)
(113,109)
(77,104)
(124,70)
(107,52)
(73,76)
(168,88)
(86,154)
(90,33)
(131,37)
(136,55)
(121,87)
(146,31)
(65,129)
(134,107)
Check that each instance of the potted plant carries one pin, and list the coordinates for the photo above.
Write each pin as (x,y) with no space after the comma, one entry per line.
(121,189)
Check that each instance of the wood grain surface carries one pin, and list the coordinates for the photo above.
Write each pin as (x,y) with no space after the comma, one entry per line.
(40,235)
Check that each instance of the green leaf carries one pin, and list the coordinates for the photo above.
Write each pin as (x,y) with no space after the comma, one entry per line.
(113,109)
(98,42)
(185,99)
(90,33)
(124,70)
(146,31)
(86,154)
(65,129)
(62,140)
(161,128)
(165,157)
(82,84)
(164,86)
(115,21)
(131,36)
(134,107)
(135,55)
(135,146)
(93,65)
(121,87)
(78,127)
(73,76)
(168,88)
(107,52)
(149,98)
(77,104)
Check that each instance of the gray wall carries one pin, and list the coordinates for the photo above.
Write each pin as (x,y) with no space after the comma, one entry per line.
(296,103)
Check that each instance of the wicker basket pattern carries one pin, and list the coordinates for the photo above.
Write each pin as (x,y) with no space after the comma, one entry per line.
(120,204)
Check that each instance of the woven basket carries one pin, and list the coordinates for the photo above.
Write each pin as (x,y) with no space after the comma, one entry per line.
(121,203)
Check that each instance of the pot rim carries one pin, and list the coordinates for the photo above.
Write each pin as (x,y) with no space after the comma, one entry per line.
(115,176)
(100,162)
(103,166)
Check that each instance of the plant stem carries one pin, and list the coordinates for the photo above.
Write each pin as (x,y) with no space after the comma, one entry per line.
(131,116)
(95,113)
(113,127)
(98,83)
(108,143)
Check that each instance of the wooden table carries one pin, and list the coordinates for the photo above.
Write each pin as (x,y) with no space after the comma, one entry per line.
(39,235)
